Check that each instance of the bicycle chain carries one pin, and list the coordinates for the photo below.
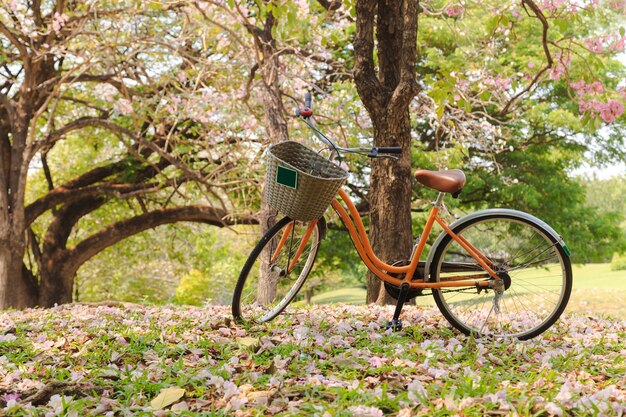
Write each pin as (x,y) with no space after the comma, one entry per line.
(463,290)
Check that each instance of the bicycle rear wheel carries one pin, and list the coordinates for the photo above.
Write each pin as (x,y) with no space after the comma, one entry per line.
(534,266)
(276,270)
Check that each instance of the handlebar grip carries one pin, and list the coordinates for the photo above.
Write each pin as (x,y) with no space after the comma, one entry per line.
(377,151)
(390,149)
(307,100)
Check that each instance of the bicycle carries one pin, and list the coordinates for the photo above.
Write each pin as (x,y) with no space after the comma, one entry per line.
(495,272)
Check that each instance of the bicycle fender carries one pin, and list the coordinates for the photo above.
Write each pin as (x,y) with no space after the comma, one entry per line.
(323,228)
(489,212)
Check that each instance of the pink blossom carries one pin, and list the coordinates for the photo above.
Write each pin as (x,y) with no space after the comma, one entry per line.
(607,43)
(230,389)
(597,87)
(455,10)
(581,88)
(578,87)
(560,68)
(611,110)
(7,338)
(595,45)
(499,82)
(124,106)
(556,72)
(11,397)
(565,394)
(416,391)
(58,21)
(554,410)
(551,5)
(617,4)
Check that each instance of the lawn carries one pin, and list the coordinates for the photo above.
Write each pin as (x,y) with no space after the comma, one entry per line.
(597,290)
(116,359)
(332,360)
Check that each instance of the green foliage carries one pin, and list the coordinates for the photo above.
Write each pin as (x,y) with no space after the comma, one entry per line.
(619,262)
(215,262)
(142,268)
(338,264)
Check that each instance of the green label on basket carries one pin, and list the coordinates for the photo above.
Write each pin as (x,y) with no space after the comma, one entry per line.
(287,177)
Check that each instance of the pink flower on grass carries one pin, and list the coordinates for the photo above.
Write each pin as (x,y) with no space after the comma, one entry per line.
(11,399)
(364,411)
(376,361)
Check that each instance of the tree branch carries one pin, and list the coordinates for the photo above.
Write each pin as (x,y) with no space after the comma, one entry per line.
(544,43)
(85,187)
(11,37)
(366,81)
(407,87)
(123,229)
(5,102)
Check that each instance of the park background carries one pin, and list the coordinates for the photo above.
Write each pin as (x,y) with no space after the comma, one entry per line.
(156,114)
(143,125)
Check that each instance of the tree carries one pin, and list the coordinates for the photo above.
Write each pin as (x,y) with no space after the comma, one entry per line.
(473,101)
(520,150)
(101,74)
(386,90)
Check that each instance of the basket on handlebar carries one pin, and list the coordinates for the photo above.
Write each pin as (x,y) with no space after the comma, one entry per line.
(300,183)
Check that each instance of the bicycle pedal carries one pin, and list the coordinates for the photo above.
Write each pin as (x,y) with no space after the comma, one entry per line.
(395,325)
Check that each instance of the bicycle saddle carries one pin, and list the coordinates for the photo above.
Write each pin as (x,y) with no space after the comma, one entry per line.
(448,181)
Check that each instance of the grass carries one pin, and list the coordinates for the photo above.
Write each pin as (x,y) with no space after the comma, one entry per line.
(118,359)
(597,291)
(335,359)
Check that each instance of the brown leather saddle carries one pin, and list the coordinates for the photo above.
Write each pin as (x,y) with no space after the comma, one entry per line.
(447,181)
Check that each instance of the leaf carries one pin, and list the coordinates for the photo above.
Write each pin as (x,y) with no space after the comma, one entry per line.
(250,343)
(167,397)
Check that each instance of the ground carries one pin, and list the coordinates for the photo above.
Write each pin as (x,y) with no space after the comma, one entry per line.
(121,359)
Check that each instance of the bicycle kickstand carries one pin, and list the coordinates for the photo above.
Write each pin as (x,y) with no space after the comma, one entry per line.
(395,323)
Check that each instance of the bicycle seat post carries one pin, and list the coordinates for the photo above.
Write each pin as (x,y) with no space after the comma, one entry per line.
(439,201)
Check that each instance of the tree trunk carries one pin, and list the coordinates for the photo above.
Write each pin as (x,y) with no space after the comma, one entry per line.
(268,62)
(386,87)
(56,282)
(390,198)
(17,286)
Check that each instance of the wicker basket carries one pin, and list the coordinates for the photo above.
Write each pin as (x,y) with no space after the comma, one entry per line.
(300,183)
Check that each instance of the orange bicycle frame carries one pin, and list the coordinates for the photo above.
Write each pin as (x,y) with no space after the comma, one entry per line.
(356,229)
(358,234)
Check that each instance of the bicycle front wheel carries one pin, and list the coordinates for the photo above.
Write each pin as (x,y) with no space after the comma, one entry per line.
(534,266)
(276,270)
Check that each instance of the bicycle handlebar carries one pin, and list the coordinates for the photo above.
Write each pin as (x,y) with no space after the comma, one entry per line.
(381,151)
(389,149)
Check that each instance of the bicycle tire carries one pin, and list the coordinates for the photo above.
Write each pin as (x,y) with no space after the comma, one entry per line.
(526,253)
(256,302)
